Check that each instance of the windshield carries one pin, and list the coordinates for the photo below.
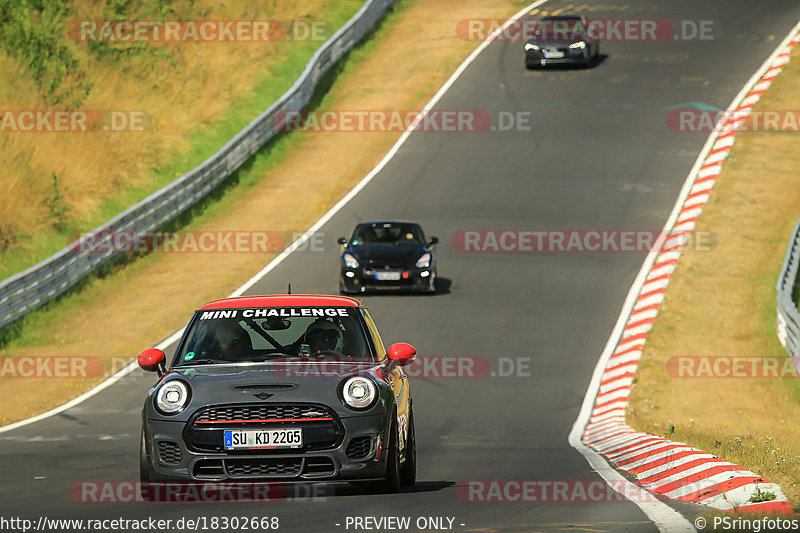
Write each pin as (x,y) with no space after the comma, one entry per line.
(275,334)
(392,234)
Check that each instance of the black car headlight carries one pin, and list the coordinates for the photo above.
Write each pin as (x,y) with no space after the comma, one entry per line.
(359,392)
(424,261)
(172,397)
(350,261)
(531,46)
(580,45)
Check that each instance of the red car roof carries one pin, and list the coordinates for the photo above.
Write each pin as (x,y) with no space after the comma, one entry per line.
(283,300)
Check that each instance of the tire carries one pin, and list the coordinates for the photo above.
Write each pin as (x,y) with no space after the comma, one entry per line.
(144,462)
(408,470)
(391,483)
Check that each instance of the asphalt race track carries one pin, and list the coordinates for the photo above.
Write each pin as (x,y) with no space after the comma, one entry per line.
(599,155)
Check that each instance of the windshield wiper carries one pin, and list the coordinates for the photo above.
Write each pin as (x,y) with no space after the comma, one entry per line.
(203,362)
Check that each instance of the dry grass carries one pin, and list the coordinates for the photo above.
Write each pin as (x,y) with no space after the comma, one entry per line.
(181,86)
(722,303)
(118,316)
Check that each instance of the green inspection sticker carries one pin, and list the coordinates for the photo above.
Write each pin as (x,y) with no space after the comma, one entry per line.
(189,356)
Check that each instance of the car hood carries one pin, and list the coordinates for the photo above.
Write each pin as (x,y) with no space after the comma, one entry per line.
(263,383)
(382,256)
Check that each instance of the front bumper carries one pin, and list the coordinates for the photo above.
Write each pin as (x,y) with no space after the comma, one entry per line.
(571,56)
(357,455)
(361,280)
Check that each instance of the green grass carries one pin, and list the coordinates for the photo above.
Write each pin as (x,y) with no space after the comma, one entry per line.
(32,328)
(274,82)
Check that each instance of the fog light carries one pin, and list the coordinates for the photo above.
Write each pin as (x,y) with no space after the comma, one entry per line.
(424,274)
(405,275)
(350,274)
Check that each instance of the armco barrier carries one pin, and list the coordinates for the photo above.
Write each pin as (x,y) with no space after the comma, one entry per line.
(53,276)
(788,317)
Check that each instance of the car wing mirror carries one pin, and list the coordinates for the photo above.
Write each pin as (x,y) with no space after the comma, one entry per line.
(434,240)
(152,360)
(401,354)
(342,241)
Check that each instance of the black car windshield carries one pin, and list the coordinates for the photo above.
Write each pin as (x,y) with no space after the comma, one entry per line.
(560,29)
(274,335)
(387,234)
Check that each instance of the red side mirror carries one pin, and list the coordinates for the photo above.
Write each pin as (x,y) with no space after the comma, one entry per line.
(152,359)
(402,353)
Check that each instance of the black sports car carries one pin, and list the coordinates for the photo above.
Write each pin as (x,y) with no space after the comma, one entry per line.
(387,256)
(561,40)
(287,388)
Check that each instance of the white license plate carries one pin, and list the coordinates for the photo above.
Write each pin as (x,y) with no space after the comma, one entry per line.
(556,54)
(252,439)
(387,276)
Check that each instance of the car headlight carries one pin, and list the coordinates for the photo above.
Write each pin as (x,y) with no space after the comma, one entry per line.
(424,261)
(580,44)
(350,261)
(531,46)
(359,392)
(172,397)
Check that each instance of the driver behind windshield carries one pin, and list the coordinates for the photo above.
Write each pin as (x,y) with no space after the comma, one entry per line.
(324,336)
(233,340)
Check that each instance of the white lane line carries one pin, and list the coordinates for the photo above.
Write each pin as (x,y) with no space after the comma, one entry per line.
(303,238)
(387,158)
(663,516)
(91,392)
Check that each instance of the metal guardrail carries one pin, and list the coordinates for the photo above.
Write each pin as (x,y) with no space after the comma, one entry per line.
(788,316)
(47,280)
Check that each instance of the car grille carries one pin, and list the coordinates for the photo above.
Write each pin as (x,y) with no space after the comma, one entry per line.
(209,469)
(359,447)
(283,467)
(321,427)
(261,413)
(289,467)
(169,453)
(318,466)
